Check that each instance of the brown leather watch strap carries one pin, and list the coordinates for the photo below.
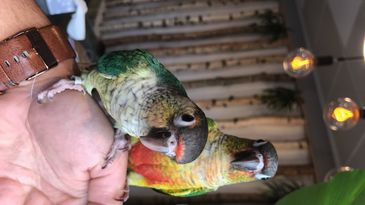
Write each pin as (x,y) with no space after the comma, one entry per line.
(30,53)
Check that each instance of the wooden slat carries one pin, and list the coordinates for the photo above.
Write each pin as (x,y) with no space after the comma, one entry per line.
(294,156)
(117,33)
(273,133)
(246,111)
(233,47)
(207,104)
(227,63)
(127,2)
(183,36)
(170,60)
(238,80)
(227,11)
(291,145)
(124,7)
(225,72)
(236,90)
(134,9)
(187,43)
(263,120)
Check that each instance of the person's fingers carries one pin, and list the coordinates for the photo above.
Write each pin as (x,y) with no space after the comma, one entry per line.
(12,192)
(73,132)
(107,186)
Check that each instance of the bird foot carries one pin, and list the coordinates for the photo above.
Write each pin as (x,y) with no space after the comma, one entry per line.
(121,143)
(62,85)
(125,193)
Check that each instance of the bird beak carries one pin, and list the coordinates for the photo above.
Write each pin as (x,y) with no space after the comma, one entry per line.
(166,145)
(249,161)
(262,160)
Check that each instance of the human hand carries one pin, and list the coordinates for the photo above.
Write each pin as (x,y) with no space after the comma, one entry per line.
(53,153)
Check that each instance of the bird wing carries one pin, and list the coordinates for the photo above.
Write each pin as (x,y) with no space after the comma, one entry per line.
(135,179)
(118,62)
(186,192)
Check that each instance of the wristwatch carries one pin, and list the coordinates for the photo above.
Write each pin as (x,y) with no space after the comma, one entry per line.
(30,53)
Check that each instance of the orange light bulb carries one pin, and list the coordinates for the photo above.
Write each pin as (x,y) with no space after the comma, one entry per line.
(298,62)
(342,114)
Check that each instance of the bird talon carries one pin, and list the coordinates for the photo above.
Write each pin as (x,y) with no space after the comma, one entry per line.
(124,193)
(59,87)
(121,143)
(126,148)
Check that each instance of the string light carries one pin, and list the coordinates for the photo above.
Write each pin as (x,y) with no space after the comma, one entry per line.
(299,63)
(342,113)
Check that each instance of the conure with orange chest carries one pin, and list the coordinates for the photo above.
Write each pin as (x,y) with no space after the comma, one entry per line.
(225,160)
(144,100)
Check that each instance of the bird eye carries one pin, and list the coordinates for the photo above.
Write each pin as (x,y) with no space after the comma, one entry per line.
(184,120)
(187,118)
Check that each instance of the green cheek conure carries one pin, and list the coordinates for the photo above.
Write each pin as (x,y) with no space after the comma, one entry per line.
(145,100)
(225,160)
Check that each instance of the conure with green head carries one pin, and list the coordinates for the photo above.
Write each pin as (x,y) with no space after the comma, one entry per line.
(226,159)
(145,100)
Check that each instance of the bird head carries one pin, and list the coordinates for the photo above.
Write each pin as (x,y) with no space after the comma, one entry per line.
(237,159)
(178,128)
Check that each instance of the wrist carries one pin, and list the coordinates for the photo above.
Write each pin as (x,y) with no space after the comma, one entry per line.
(32,53)
(19,15)
(64,69)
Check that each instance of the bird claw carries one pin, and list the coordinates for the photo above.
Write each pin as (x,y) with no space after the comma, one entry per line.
(125,193)
(121,143)
(62,85)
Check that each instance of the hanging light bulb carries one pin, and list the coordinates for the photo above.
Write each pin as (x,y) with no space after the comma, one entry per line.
(299,63)
(342,113)
(331,173)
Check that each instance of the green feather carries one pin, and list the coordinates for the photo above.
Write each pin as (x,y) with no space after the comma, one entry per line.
(212,125)
(185,192)
(122,62)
